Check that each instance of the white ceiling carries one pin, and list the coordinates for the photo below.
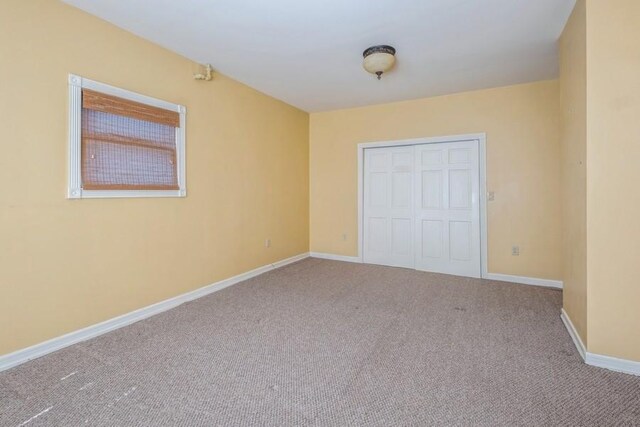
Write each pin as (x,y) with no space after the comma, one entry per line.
(308,53)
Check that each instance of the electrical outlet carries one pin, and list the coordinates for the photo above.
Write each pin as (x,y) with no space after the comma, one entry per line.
(344,236)
(267,243)
(492,196)
(515,250)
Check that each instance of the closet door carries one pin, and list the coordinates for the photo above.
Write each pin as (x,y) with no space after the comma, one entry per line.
(447,212)
(388,206)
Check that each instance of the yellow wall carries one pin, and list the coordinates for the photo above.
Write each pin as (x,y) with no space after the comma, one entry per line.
(523,161)
(68,264)
(573,95)
(252,161)
(613,174)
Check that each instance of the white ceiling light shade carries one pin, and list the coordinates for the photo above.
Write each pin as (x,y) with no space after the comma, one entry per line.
(379,59)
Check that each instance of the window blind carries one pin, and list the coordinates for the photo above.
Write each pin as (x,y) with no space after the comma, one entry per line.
(127,145)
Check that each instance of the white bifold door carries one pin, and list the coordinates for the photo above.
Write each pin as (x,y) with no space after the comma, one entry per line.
(421,207)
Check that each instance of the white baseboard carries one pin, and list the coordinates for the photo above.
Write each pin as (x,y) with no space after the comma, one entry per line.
(607,362)
(524,280)
(490,276)
(21,356)
(613,363)
(573,332)
(333,257)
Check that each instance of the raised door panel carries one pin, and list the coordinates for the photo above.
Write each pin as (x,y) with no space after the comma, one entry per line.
(378,190)
(401,190)
(460,237)
(401,236)
(432,241)
(460,189)
(432,189)
(377,241)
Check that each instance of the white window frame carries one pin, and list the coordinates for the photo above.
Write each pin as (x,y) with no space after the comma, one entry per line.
(75,191)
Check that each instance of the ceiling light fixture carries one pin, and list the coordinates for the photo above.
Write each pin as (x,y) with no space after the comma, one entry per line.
(379,59)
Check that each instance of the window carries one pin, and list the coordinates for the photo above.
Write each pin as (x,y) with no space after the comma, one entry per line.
(123,144)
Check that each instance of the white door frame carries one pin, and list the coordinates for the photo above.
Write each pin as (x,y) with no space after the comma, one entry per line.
(480,138)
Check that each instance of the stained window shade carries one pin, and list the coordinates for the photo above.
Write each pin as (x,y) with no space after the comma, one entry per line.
(127,145)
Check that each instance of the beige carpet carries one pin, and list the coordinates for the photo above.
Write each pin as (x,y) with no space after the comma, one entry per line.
(330,343)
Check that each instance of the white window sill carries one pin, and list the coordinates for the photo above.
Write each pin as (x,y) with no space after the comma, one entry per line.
(118,194)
